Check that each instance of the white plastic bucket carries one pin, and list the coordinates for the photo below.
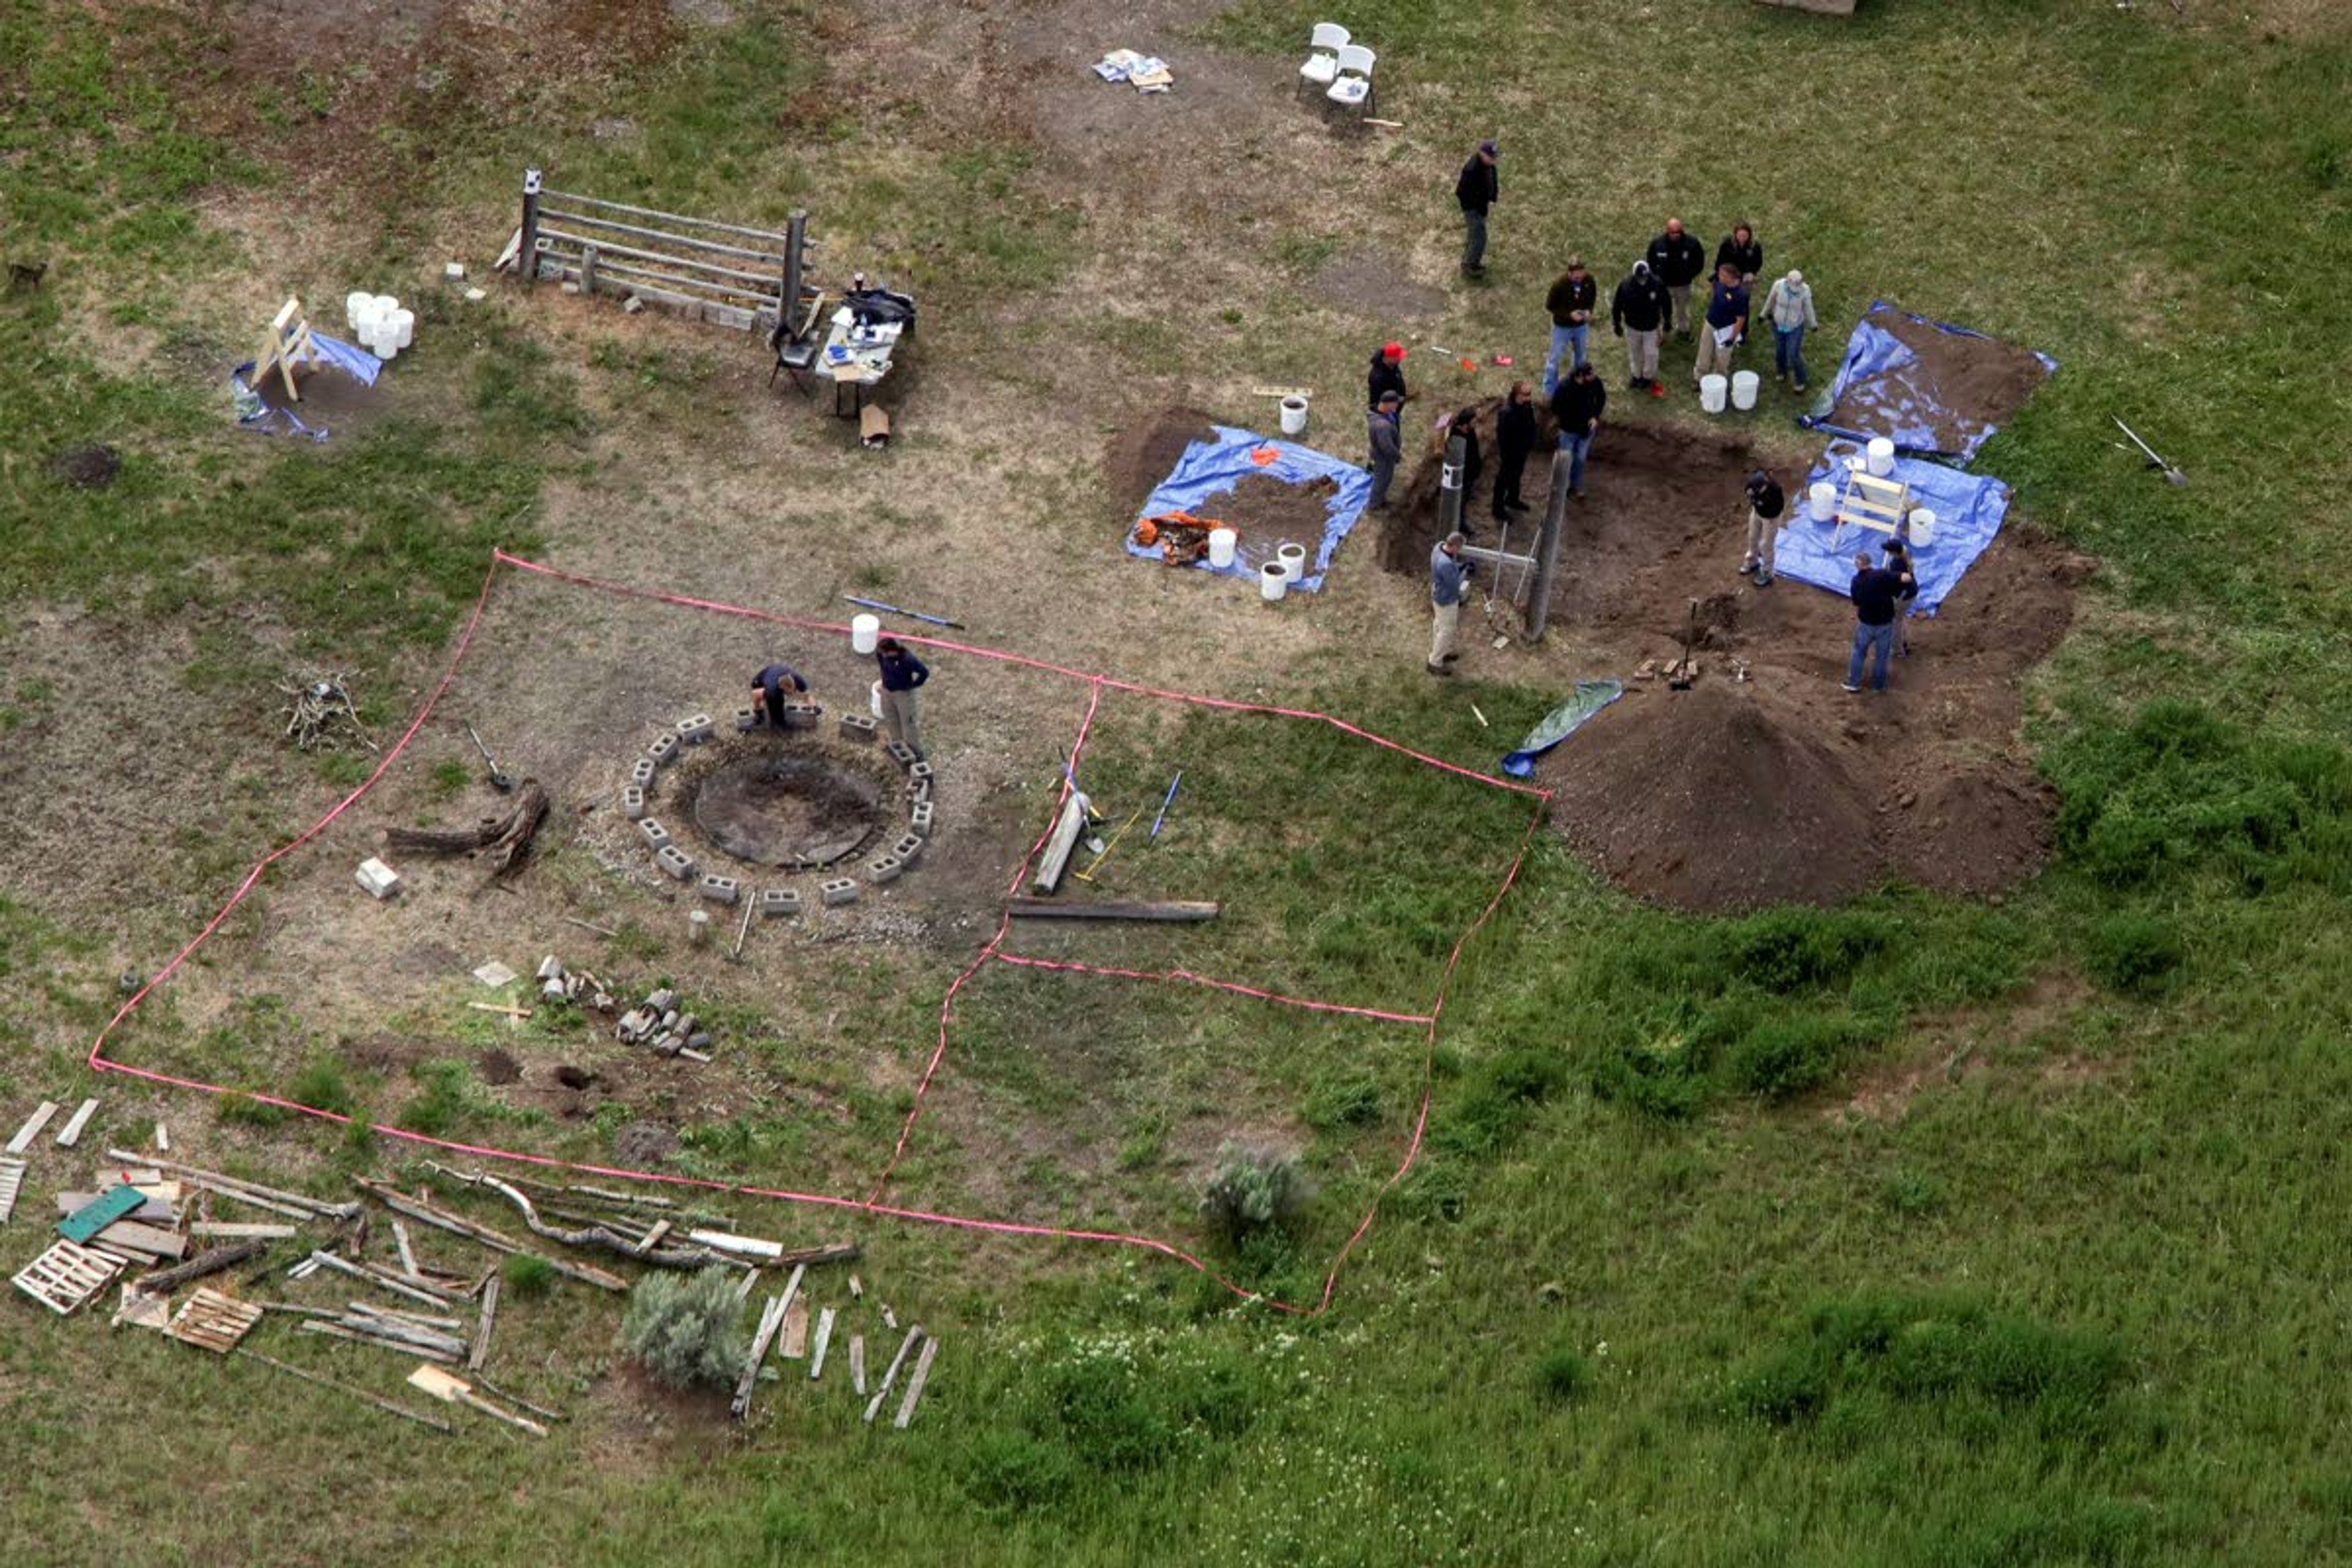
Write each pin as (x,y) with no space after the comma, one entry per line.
(1711,392)
(1821,501)
(354,306)
(1220,547)
(403,327)
(874,700)
(1293,557)
(1921,527)
(1273,580)
(865,631)
(1881,455)
(1744,385)
(1294,417)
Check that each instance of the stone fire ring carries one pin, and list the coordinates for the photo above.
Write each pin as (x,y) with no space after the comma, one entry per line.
(805,800)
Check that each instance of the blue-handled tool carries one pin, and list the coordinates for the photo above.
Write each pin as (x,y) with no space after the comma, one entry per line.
(895,610)
(1164,805)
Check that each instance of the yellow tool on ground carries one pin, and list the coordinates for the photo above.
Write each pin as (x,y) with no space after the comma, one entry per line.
(1088,874)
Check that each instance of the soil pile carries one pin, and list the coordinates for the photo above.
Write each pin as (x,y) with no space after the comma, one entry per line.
(1974,382)
(1268,511)
(1142,456)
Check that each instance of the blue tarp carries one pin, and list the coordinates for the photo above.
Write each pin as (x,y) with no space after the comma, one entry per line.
(1209,469)
(1969,510)
(1882,390)
(254,413)
(1591,697)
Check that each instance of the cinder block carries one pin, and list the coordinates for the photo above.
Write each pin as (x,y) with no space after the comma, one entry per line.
(641,771)
(839,891)
(901,753)
(664,748)
(380,879)
(633,801)
(655,834)
(676,862)
(802,716)
(720,890)
(884,868)
(919,818)
(918,792)
(909,846)
(919,774)
(776,901)
(859,727)
(695,729)
(749,718)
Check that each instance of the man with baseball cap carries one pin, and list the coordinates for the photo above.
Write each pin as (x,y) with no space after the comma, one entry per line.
(1387,375)
(1475,190)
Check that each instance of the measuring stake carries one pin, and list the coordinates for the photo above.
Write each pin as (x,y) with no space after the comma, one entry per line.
(1159,820)
(743,930)
(1482,718)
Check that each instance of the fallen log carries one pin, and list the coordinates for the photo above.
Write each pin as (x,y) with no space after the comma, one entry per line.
(200,1266)
(643,1250)
(234,1188)
(1054,909)
(458,1224)
(508,837)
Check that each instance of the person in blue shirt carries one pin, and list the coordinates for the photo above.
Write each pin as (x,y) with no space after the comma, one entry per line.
(772,683)
(902,674)
(1449,577)
(1725,326)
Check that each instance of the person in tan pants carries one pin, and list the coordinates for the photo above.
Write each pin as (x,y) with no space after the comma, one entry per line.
(1449,580)
(1725,324)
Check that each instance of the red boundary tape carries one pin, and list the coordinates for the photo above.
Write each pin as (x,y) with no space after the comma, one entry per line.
(872,1203)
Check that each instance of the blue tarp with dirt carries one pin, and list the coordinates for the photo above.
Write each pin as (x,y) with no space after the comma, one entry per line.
(1969,511)
(1211,469)
(1934,389)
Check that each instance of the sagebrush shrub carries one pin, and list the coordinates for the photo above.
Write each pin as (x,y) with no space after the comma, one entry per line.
(1254,1188)
(686,1329)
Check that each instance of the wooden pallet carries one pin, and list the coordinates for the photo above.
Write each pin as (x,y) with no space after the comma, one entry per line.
(215,1322)
(67,1275)
(12,1181)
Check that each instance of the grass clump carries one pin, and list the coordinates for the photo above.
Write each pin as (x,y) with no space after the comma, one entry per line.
(529,1277)
(685,1330)
(319,1085)
(2134,954)
(1563,1374)
(1252,1190)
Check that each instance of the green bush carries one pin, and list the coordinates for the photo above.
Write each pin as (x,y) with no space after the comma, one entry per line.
(685,1330)
(1788,950)
(2134,954)
(1012,1471)
(319,1085)
(1786,1055)
(1252,1189)
(1563,1373)
(529,1276)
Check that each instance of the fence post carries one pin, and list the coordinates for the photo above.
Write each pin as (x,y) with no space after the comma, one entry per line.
(789,303)
(527,257)
(1547,550)
(1449,486)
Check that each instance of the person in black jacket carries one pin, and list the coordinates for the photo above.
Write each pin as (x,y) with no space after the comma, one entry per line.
(1515,438)
(1740,252)
(1387,375)
(1577,405)
(1473,462)
(1678,258)
(1573,298)
(1766,502)
(1476,190)
(1640,312)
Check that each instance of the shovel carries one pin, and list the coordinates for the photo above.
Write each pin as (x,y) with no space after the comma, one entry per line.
(2172,476)
(1679,676)
(498,780)
(451,1390)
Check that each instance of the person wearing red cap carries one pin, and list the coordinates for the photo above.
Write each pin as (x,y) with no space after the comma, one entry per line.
(1388,376)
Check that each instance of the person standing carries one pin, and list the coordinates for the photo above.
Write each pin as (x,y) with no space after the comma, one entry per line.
(1898,561)
(902,675)
(1577,405)
(770,683)
(1387,375)
(1874,591)
(1790,308)
(1574,297)
(1725,324)
(1385,436)
(1766,501)
(1678,258)
(1741,253)
(1640,312)
(1473,461)
(1514,440)
(1477,189)
(1449,575)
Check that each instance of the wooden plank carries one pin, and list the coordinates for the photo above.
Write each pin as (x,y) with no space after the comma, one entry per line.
(235,1187)
(914,1384)
(32,1128)
(458,1224)
(481,1349)
(914,1337)
(404,1412)
(395,1315)
(772,1316)
(238,1230)
(380,1342)
(418,1292)
(456,1390)
(12,1181)
(98,1212)
(796,1328)
(65,1277)
(824,1339)
(162,1139)
(71,1135)
(1164,909)
(133,1236)
(215,1322)
(407,1255)
(153,1211)
(857,1364)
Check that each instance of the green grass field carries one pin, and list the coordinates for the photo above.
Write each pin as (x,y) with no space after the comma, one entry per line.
(2062,1287)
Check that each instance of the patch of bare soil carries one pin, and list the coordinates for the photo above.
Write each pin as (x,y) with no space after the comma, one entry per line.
(642,1145)
(1368,281)
(329,398)
(1974,384)
(497,1068)
(1954,1047)
(1145,452)
(1777,787)
(88,468)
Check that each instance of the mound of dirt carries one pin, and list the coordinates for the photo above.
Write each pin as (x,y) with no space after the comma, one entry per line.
(641,1145)
(1267,512)
(1142,456)
(90,468)
(1975,383)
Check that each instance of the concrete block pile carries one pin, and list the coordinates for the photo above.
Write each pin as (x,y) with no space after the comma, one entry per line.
(661,1023)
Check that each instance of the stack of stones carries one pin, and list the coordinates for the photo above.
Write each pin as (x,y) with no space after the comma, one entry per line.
(657,1021)
(557,985)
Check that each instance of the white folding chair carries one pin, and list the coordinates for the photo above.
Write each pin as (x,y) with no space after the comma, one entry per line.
(1353,89)
(1322,67)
